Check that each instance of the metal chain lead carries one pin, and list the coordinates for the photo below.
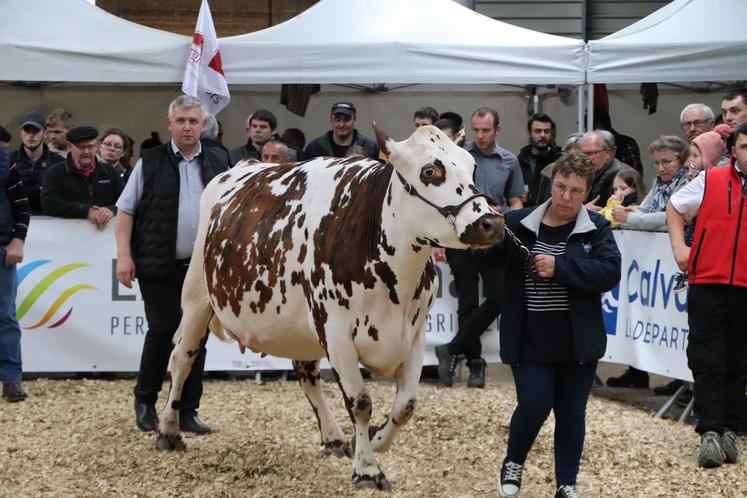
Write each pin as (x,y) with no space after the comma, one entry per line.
(524,250)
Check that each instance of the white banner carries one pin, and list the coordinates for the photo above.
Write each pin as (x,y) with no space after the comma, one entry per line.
(646,319)
(75,316)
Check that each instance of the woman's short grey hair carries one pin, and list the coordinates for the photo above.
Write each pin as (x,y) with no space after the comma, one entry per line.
(572,143)
(607,138)
(673,143)
(185,102)
(211,127)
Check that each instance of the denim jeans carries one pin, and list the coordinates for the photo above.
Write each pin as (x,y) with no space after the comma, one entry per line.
(10,331)
(563,388)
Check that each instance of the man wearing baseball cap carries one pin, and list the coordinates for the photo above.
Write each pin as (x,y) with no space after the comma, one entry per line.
(342,136)
(81,187)
(33,157)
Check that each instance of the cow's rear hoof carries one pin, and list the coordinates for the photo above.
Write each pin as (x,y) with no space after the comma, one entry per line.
(338,448)
(170,443)
(379,482)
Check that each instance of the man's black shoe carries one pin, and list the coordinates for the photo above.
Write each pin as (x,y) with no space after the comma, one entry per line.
(631,378)
(684,399)
(146,416)
(447,363)
(14,392)
(476,373)
(668,389)
(190,422)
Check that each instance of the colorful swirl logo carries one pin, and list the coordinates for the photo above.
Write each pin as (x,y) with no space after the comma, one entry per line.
(43,286)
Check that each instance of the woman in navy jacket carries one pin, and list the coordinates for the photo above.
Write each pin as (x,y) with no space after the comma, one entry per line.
(551,330)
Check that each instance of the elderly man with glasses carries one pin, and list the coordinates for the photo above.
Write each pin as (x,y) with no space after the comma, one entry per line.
(695,120)
(599,147)
(81,187)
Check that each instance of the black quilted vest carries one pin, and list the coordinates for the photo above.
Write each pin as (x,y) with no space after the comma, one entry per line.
(154,232)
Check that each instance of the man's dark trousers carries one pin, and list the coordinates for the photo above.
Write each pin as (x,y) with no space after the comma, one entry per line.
(468,267)
(717,354)
(163,310)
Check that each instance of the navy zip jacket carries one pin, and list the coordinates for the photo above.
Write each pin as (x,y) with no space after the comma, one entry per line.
(589,267)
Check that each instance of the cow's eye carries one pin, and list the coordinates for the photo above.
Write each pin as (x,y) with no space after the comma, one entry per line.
(429,171)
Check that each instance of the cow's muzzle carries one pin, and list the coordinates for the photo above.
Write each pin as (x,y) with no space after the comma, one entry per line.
(487,231)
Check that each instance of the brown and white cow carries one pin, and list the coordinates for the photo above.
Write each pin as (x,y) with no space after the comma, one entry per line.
(330,258)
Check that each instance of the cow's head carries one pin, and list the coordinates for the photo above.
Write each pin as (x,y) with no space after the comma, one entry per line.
(438,174)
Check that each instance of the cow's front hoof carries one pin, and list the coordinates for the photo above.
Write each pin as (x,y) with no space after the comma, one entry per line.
(338,448)
(170,443)
(379,482)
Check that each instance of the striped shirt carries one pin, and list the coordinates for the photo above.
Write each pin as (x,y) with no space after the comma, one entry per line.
(547,331)
(545,295)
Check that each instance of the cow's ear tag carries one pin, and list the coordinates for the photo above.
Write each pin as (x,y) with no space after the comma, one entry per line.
(381,138)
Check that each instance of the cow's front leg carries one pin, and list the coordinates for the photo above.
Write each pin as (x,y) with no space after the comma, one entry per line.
(333,439)
(407,376)
(343,358)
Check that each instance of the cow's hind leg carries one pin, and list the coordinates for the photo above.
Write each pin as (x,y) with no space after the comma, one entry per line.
(403,406)
(333,439)
(189,340)
(344,360)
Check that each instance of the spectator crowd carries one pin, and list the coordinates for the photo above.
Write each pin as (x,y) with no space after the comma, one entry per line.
(561,202)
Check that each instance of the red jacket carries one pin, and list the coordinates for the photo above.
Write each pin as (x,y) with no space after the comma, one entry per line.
(719,251)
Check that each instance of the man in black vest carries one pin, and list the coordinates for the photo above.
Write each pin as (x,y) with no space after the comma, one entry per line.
(155,229)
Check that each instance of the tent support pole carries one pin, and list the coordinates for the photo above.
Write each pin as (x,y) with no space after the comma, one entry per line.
(580,107)
(590,106)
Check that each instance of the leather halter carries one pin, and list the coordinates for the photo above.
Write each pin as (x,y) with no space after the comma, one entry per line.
(448,212)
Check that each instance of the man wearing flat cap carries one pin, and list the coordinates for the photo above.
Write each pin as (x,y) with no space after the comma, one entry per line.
(33,158)
(81,187)
(342,136)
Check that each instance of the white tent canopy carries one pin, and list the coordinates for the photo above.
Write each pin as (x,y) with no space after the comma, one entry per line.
(397,41)
(335,41)
(686,40)
(72,40)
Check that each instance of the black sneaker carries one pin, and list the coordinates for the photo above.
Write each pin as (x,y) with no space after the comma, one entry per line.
(567,491)
(710,455)
(668,389)
(731,447)
(509,482)
(680,281)
(631,378)
(447,363)
(14,392)
(476,373)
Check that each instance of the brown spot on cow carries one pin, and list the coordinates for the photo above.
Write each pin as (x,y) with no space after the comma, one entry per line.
(242,241)
(433,174)
(416,248)
(373,332)
(307,371)
(387,276)
(415,317)
(354,221)
(426,280)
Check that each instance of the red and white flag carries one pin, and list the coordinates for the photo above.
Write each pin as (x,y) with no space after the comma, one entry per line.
(203,77)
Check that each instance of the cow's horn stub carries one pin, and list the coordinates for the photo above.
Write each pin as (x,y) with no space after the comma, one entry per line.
(381,138)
